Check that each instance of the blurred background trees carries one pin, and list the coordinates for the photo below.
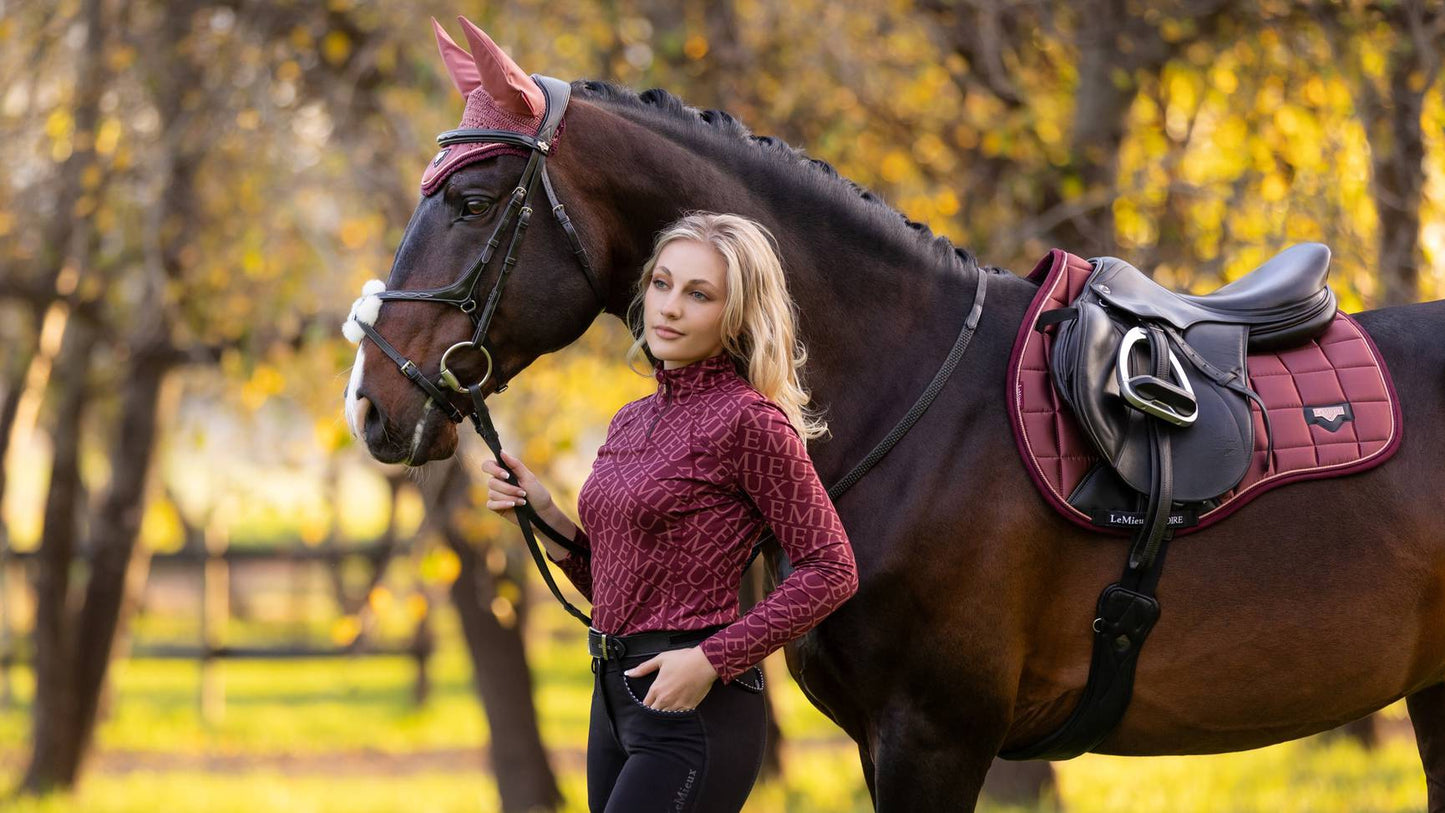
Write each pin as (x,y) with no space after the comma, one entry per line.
(192,192)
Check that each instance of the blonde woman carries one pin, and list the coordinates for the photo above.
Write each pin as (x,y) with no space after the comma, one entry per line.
(680,490)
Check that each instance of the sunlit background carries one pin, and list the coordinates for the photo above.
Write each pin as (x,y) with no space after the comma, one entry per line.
(192,193)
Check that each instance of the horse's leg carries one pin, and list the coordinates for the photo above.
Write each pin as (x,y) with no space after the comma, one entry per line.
(1427,715)
(924,764)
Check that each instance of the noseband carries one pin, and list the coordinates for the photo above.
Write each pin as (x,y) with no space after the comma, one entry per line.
(464,294)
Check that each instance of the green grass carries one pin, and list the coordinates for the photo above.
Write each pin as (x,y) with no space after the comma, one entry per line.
(296,736)
(1304,777)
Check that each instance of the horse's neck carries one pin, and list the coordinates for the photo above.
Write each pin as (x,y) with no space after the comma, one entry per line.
(878,312)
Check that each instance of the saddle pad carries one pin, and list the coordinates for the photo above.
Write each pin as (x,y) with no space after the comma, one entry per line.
(1331,402)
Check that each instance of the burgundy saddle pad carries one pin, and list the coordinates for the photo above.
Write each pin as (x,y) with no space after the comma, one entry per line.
(1332,406)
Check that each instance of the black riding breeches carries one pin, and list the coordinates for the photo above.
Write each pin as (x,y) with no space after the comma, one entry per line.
(640,759)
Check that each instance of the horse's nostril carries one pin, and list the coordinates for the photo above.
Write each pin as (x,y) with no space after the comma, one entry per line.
(369,414)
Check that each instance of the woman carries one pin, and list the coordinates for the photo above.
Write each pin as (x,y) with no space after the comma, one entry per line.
(680,490)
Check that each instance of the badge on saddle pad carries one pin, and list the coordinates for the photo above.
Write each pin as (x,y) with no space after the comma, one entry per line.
(1330,418)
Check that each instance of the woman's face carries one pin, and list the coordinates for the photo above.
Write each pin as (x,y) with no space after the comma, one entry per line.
(682,311)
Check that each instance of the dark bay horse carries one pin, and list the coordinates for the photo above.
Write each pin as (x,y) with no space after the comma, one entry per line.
(1316,604)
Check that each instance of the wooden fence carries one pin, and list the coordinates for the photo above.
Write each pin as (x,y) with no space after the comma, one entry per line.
(213,561)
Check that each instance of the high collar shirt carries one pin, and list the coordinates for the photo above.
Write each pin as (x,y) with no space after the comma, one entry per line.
(680,491)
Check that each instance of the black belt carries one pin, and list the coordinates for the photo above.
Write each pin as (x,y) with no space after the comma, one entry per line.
(611,647)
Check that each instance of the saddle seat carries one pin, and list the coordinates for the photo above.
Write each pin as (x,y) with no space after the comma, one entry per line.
(1285,302)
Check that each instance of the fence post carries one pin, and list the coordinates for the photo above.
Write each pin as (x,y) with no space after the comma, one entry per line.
(215,614)
(423,642)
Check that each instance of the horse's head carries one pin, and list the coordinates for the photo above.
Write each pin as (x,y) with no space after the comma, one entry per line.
(490,273)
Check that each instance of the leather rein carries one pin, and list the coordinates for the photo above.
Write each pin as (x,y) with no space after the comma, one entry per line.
(463,294)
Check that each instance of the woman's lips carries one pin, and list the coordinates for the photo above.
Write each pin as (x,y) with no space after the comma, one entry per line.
(666,333)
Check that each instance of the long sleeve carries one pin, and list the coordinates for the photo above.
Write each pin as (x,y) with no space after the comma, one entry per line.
(577,568)
(774,470)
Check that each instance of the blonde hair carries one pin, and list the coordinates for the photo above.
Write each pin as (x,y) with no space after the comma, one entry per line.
(759,318)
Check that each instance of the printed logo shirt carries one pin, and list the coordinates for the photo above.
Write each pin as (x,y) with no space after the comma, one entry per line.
(680,491)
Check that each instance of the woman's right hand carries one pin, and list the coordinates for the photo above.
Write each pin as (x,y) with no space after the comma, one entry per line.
(503,495)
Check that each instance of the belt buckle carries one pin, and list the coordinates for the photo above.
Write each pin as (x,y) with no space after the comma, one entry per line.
(603,641)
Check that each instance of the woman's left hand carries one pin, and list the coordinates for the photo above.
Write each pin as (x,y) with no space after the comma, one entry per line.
(684,677)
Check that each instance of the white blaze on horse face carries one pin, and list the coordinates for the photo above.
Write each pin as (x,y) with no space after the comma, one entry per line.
(355,408)
(365,309)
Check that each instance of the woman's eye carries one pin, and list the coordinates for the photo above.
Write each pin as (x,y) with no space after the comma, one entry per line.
(658,282)
(701,297)
(475,206)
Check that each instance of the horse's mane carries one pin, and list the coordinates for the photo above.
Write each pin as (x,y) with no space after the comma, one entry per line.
(660,106)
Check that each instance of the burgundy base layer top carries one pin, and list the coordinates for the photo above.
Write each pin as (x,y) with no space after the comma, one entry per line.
(680,490)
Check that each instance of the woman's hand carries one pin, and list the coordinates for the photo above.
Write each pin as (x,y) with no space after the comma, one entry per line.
(504,495)
(684,677)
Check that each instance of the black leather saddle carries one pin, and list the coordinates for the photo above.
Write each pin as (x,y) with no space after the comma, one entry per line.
(1132,359)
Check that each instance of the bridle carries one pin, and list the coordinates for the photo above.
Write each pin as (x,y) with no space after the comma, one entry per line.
(464,294)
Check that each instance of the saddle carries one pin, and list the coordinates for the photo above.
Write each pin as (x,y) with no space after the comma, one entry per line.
(1141,411)
(1159,382)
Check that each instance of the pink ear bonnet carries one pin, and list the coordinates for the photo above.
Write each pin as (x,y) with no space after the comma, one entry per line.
(499,94)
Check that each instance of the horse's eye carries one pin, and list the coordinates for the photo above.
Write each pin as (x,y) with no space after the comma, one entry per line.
(475,206)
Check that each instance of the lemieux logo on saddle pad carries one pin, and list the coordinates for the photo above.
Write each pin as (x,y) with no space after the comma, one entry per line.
(1133,519)
(1331,417)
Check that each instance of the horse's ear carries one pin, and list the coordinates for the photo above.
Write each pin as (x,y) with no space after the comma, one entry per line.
(511,87)
(460,65)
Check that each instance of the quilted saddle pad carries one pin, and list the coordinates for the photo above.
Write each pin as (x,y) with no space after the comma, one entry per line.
(1331,403)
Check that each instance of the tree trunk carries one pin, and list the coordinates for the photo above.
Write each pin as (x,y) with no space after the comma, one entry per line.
(1397,158)
(502,678)
(1390,112)
(1019,783)
(54,715)
(113,533)
(1102,98)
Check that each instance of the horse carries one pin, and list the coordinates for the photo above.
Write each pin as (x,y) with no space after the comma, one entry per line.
(1314,605)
